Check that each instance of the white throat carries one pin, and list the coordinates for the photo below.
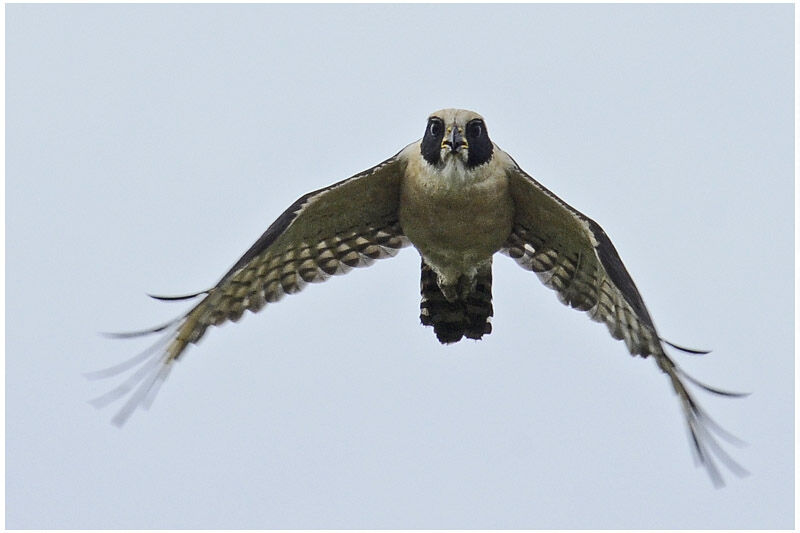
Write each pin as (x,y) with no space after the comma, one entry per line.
(454,174)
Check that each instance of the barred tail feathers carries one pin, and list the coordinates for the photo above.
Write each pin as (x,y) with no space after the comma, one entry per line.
(466,316)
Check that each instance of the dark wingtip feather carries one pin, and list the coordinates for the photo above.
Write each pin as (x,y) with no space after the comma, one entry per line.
(709,388)
(143,332)
(692,351)
(178,298)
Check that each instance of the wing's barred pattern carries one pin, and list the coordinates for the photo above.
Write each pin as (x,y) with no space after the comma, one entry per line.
(274,273)
(574,284)
(323,233)
(266,278)
(581,283)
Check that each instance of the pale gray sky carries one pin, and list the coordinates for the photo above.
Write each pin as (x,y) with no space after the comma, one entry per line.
(147,146)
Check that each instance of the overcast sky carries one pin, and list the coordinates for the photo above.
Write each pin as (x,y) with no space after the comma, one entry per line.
(147,146)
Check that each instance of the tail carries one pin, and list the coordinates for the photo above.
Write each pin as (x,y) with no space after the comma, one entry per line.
(465,316)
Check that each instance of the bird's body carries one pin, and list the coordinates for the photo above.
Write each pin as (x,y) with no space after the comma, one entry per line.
(458,199)
(457,216)
(456,219)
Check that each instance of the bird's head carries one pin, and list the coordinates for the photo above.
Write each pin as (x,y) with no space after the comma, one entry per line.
(456,135)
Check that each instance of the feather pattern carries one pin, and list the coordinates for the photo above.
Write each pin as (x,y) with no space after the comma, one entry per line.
(324,233)
(572,255)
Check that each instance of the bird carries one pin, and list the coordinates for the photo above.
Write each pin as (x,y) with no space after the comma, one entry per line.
(459,200)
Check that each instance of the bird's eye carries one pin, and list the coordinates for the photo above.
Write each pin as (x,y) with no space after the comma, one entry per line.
(435,127)
(474,129)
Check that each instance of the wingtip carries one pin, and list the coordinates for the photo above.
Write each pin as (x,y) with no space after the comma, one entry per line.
(692,351)
(703,429)
(709,388)
(155,329)
(142,332)
(177,298)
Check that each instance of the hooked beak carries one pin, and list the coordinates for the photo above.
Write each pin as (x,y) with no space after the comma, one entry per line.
(454,140)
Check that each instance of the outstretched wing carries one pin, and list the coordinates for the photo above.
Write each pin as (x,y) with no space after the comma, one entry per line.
(571,254)
(326,232)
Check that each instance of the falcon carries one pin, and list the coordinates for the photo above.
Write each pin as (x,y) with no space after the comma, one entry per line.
(458,199)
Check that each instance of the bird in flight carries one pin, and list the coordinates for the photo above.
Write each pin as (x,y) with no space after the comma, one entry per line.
(458,199)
